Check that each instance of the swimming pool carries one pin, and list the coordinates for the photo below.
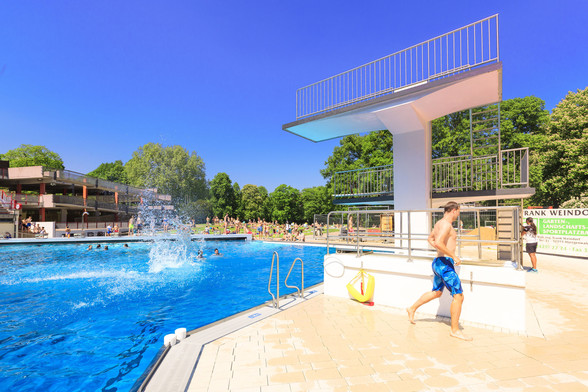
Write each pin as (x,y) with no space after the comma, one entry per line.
(73,319)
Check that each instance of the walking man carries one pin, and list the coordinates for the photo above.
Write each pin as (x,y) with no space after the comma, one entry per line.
(444,239)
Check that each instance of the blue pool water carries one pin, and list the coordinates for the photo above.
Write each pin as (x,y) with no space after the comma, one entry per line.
(79,320)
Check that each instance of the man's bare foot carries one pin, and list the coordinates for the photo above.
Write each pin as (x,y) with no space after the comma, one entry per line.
(460,335)
(410,315)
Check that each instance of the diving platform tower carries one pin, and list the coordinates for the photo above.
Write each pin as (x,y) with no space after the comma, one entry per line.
(403,93)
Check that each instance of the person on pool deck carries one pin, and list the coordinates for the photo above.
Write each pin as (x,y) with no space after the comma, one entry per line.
(530,234)
(444,239)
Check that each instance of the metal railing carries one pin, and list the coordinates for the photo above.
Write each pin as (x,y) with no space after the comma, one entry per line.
(467,172)
(27,199)
(457,51)
(275,298)
(299,290)
(377,180)
(6,201)
(405,232)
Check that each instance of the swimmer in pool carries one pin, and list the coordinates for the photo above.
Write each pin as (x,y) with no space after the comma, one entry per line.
(216,252)
(89,247)
(444,239)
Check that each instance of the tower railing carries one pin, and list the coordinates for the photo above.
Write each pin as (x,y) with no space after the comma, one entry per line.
(457,51)
(461,173)
(364,182)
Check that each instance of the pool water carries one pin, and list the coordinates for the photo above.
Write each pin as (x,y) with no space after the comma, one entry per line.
(73,319)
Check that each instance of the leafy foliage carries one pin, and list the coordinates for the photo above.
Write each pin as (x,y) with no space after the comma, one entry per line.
(222,196)
(357,152)
(286,204)
(564,151)
(114,171)
(29,155)
(254,201)
(316,200)
(172,170)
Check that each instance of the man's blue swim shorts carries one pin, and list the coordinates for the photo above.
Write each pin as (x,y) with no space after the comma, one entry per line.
(445,276)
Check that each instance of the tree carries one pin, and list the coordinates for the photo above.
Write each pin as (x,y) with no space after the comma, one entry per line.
(521,120)
(114,171)
(564,153)
(253,202)
(222,195)
(172,170)
(267,205)
(29,155)
(197,210)
(357,152)
(238,213)
(286,205)
(316,200)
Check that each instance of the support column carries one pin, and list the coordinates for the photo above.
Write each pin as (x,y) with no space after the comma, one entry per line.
(41,193)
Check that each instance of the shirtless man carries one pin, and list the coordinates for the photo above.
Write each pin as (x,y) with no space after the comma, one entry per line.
(444,238)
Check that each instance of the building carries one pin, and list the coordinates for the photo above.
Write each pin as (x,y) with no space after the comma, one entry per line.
(66,198)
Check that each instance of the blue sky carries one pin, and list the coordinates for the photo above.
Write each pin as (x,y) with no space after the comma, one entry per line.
(94,80)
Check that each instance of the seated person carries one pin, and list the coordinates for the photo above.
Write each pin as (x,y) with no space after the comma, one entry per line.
(301,237)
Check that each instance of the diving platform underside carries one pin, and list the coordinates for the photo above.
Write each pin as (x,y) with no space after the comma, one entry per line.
(406,110)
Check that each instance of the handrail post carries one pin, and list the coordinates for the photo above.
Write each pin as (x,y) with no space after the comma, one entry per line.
(275,299)
(409,239)
(357,231)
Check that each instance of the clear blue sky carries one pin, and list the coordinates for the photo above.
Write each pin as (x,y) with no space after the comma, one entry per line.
(94,80)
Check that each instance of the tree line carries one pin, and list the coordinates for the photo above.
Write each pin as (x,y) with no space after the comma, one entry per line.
(558,144)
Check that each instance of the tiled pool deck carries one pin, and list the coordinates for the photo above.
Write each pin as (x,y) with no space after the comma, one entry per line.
(333,344)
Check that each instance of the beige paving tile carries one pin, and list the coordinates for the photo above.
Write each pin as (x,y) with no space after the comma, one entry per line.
(570,387)
(322,374)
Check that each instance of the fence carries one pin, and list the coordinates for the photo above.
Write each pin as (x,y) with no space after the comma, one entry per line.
(364,182)
(485,235)
(467,172)
(457,51)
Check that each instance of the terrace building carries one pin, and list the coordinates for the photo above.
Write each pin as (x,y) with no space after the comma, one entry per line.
(60,198)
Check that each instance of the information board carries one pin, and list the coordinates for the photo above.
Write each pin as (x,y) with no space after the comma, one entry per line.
(561,231)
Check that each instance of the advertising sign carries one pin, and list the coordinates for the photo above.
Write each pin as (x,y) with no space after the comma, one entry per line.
(561,231)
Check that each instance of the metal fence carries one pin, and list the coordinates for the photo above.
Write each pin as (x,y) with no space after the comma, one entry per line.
(485,235)
(364,182)
(466,172)
(457,51)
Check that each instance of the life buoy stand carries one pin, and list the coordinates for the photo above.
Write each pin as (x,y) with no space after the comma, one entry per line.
(367,290)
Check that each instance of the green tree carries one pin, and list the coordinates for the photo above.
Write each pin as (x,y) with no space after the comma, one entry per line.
(172,170)
(316,200)
(29,155)
(286,204)
(564,152)
(238,213)
(357,152)
(197,210)
(222,195)
(267,205)
(114,171)
(253,202)
(521,120)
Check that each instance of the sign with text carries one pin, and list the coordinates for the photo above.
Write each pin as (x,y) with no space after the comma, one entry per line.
(561,231)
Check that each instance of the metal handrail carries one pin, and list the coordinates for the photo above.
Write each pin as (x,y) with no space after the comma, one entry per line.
(300,292)
(276,298)
(408,242)
(456,51)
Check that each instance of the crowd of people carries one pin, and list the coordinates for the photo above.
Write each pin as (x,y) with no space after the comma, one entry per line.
(27,226)
(259,229)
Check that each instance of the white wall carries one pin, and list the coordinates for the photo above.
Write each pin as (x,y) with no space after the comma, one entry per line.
(494,296)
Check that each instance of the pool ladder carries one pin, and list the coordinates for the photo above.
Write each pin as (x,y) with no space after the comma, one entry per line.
(276,298)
